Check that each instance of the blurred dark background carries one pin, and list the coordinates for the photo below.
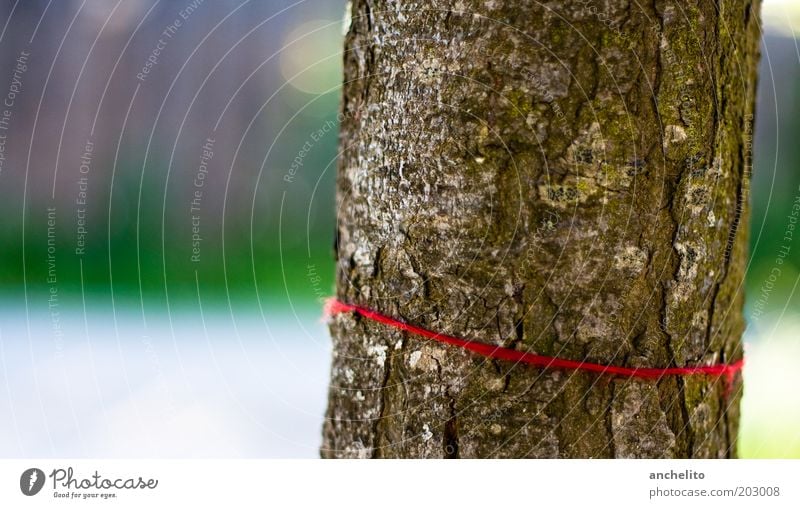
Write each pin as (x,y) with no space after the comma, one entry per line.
(257,78)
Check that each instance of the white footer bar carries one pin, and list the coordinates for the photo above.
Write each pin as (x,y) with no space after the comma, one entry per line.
(410,483)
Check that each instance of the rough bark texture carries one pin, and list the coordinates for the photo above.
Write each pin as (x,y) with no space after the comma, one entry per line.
(563,177)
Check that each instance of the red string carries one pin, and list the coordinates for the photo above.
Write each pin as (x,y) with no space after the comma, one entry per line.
(334,306)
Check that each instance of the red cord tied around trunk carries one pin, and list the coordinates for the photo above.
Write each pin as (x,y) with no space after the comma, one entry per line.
(728,371)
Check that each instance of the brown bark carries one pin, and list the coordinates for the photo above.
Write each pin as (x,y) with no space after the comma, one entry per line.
(568,178)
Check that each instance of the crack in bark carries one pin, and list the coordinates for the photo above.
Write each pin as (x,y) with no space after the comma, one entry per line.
(450,427)
(377,451)
(687,425)
(450,435)
(609,420)
(674,255)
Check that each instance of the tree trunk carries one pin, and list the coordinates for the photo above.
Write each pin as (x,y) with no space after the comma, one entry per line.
(567,178)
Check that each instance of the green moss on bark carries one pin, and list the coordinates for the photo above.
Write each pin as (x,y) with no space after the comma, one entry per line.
(554,178)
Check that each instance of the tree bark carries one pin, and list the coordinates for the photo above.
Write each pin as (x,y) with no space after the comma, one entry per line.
(563,177)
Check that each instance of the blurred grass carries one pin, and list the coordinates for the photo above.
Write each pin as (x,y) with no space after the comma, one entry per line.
(771,404)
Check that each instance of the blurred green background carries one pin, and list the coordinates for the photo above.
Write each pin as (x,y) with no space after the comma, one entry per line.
(257,85)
